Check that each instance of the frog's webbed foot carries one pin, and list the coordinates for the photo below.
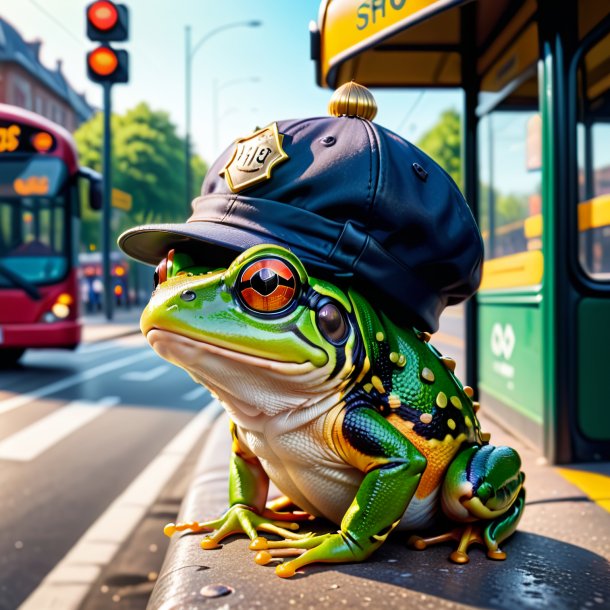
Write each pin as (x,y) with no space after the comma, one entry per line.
(333,547)
(465,536)
(238,519)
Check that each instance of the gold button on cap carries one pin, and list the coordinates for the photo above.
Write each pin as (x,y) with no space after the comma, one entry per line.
(352,99)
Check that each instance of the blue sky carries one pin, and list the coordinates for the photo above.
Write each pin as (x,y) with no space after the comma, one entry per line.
(277,54)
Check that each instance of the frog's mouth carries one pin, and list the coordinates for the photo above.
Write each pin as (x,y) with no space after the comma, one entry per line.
(186,352)
(248,385)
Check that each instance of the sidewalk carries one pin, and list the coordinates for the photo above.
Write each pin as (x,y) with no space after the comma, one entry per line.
(124,322)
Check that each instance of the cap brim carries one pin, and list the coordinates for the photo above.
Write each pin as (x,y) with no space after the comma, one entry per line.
(216,242)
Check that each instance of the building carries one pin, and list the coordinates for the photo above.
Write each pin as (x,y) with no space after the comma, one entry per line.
(27,83)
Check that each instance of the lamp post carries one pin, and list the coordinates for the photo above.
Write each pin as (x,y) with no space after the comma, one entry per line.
(216,90)
(189,54)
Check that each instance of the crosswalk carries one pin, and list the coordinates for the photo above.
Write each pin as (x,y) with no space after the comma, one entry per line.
(32,441)
(65,419)
(68,583)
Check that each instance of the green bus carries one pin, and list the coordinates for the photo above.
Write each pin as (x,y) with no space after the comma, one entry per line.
(536,156)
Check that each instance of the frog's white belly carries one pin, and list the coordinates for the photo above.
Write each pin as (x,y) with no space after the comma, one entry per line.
(307,471)
(317,480)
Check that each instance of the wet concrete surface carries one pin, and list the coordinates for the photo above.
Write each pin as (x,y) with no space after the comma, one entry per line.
(558,559)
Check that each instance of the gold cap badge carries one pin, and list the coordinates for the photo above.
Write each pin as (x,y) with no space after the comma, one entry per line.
(352,99)
(253,158)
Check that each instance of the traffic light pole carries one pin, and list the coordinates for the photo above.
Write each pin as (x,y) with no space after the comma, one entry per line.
(187,138)
(106,209)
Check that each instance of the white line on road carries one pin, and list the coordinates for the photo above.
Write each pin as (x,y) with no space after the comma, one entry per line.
(29,443)
(57,386)
(68,583)
(145,375)
(194,394)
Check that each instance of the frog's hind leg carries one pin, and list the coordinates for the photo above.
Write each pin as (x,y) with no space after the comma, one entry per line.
(489,535)
(483,489)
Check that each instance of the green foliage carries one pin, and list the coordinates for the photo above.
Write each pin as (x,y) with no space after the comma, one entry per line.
(147,162)
(443,143)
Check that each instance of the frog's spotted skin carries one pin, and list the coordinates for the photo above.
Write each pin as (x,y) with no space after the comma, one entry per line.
(352,417)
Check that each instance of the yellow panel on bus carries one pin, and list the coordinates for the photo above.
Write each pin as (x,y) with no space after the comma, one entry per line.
(515,270)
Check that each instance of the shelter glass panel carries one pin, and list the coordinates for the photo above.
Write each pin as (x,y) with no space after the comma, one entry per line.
(510,180)
(593,131)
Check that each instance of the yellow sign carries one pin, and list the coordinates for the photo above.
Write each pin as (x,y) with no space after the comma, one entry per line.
(9,138)
(349,27)
(121,200)
(32,185)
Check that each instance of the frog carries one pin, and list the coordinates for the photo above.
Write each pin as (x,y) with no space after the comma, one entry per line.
(353,415)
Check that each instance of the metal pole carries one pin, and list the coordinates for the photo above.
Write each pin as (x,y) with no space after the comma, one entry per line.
(187,102)
(215,115)
(107,188)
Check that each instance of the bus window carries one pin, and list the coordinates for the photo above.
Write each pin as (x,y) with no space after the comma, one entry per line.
(593,131)
(510,180)
(33,220)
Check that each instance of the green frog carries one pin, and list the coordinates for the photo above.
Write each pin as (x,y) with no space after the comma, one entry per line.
(353,417)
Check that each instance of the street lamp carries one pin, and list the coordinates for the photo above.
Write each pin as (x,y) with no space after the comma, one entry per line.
(190,53)
(216,90)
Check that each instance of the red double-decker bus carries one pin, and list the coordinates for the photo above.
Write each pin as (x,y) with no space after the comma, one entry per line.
(39,212)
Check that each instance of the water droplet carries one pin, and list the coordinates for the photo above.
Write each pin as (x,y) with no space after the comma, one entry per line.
(18,544)
(216,590)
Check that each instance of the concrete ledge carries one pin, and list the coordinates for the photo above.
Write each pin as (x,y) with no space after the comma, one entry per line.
(557,560)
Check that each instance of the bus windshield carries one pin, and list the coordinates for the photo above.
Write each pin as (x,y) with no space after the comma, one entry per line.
(33,221)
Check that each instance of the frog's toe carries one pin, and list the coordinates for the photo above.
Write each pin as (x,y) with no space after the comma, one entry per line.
(284,509)
(465,536)
(193,526)
(308,549)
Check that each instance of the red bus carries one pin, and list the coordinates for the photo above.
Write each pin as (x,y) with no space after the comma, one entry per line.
(39,234)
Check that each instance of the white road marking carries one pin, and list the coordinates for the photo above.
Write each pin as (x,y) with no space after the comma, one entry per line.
(92,348)
(68,583)
(145,375)
(57,386)
(29,443)
(194,394)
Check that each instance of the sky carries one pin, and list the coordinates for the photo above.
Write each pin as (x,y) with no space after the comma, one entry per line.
(258,75)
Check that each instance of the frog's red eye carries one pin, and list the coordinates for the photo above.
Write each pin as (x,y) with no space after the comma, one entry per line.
(268,285)
(163,269)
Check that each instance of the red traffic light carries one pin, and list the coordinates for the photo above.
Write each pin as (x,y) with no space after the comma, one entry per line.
(107,65)
(107,21)
(103,15)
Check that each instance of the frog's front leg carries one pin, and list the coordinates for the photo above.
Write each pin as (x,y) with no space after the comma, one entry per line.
(392,468)
(483,488)
(248,488)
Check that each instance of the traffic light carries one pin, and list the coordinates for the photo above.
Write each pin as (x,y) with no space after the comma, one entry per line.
(107,21)
(108,65)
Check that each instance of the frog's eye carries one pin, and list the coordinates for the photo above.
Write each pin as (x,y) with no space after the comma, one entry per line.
(331,323)
(164,269)
(268,285)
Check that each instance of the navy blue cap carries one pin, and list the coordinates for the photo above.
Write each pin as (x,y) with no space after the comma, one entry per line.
(356,203)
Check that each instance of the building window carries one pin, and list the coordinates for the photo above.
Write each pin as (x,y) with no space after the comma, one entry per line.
(39,107)
(22,92)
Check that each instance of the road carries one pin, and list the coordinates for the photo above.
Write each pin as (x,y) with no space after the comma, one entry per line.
(76,429)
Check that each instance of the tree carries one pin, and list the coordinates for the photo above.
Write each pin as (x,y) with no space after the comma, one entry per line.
(147,163)
(443,143)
